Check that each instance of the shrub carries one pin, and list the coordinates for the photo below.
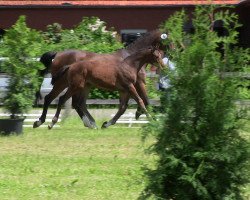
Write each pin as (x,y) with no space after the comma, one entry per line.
(53,34)
(200,152)
(90,34)
(22,45)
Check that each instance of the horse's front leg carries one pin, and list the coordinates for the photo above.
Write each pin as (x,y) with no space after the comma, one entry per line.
(141,89)
(124,97)
(56,90)
(138,99)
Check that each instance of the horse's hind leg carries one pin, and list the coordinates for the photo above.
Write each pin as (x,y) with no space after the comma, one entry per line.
(56,90)
(76,103)
(79,104)
(83,106)
(124,97)
(62,100)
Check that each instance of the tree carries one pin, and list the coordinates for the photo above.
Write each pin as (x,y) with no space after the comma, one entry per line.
(201,154)
(22,46)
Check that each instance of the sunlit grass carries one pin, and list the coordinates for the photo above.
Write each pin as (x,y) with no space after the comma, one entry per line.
(72,162)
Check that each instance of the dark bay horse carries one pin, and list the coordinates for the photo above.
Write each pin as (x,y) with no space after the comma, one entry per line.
(107,71)
(56,61)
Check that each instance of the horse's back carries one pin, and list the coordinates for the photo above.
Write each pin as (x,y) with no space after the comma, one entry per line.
(67,58)
(101,70)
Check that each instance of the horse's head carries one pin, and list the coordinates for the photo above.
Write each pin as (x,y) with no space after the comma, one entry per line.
(155,56)
(160,40)
(152,38)
(149,55)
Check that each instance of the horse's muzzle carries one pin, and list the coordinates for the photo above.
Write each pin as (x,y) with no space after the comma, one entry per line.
(161,63)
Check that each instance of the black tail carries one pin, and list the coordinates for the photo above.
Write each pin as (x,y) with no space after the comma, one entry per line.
(59,74)
(47,59)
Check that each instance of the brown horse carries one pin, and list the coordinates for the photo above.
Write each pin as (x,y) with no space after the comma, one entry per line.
(56,61)
(107,71)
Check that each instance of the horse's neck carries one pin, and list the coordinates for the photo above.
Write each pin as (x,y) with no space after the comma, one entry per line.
(123,53)
(136,62)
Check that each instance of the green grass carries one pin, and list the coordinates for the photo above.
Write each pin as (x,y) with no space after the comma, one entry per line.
(72,162)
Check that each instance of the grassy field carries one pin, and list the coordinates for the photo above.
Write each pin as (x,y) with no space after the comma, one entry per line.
(72,162)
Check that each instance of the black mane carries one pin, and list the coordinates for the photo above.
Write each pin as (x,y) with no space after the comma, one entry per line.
(148,39)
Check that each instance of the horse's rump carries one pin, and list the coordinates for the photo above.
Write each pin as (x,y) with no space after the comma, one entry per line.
(60,73)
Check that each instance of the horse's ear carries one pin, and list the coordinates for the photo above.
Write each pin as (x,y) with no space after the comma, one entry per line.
(157,46)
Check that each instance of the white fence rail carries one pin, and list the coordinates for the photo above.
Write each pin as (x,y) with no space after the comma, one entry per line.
(129,119)
(31,118)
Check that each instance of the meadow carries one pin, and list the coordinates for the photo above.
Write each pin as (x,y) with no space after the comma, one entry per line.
(72,162)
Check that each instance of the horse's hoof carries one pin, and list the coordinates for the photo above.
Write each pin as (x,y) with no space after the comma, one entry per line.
(137,115)
(105,125)
(37,124)
(150,117)
(86,122)
(50,126)
(93,126)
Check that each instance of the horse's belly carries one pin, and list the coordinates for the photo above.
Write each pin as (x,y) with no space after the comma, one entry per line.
(106,83)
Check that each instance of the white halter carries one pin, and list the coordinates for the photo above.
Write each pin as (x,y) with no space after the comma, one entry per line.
(164,36)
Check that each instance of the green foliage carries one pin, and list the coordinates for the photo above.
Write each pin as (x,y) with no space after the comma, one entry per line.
(151,84)
(22,44)
(90,34)
(53,34)
(103,94)
(201,154)
(244,92)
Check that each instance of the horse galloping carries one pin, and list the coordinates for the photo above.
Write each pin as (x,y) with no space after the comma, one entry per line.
(56,61)
(109,72)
